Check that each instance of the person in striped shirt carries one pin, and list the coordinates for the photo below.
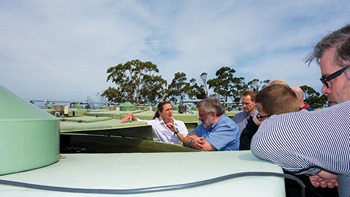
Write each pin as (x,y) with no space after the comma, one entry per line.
(316,143)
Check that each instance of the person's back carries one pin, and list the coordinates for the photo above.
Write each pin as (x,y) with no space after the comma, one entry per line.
(273,99)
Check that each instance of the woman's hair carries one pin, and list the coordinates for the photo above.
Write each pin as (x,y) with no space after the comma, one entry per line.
(211,104)
(160,108)
(277,99)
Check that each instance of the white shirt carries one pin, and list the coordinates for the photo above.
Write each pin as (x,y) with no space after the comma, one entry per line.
(163,133)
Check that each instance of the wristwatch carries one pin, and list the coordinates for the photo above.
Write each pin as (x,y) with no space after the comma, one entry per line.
(177,130)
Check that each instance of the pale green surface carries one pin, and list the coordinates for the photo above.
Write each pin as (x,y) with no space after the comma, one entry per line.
(230,113)
(85,119)
(140,170)
(185,117)
(108,113)
(108,127)
(29,135)
(68,126)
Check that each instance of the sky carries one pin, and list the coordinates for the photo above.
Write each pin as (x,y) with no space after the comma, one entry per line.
(61,49)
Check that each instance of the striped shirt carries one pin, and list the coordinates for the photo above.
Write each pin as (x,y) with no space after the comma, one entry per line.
(305,142)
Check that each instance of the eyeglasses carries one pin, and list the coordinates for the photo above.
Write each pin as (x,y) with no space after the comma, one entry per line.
(260,117)
(202,115)
(325,79)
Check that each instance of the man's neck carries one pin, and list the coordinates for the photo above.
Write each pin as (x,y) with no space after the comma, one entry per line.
(217,118)
(250,112)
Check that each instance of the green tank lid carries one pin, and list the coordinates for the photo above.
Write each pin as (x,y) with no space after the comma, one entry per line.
(104,107)
(155,108)
(29,135)
(176,107)
(77,106)
(194,108)
(127,106)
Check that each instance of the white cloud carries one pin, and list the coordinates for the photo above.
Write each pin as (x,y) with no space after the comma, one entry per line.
(62,49)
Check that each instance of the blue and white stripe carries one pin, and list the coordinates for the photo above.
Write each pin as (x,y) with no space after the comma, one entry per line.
(305,142)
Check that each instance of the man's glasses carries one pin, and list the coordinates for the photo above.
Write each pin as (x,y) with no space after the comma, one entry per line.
(325,80)
(260,117)
(202,115)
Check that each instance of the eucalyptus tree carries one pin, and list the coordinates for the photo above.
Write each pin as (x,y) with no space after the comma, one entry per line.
(132,82)
(113,95)
(196,91)
(314,98)
(178,88)
(154,90)
(256,85)
(225,84)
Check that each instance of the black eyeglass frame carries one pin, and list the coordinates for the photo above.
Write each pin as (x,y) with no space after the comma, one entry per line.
(260,117)
(325,80)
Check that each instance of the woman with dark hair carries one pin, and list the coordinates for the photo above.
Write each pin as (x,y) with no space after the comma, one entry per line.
(165,127)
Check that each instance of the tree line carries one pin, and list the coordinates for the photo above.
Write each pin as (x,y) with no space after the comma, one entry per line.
(140,83)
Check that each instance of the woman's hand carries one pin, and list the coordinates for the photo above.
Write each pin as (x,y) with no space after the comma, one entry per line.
(171,126)
(128,117)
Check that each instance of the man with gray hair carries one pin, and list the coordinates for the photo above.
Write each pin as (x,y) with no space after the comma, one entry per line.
(316,143)
(217,132)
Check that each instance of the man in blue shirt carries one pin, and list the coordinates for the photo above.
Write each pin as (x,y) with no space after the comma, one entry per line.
(249,110)
(217,132)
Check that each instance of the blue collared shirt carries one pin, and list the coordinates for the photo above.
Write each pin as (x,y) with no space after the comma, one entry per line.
(241,119)
(223,135)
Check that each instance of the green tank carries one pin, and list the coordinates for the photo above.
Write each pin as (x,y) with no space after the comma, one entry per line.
(127,106)
(29,135)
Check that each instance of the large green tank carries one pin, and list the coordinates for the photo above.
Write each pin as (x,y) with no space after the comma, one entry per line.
(29,135)
(127,106)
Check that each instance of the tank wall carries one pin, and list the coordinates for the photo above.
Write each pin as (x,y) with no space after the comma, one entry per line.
(26,145)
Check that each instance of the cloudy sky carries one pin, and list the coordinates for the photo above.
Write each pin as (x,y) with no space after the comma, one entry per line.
(61,49)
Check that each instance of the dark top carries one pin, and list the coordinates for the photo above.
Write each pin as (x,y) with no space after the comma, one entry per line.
(247,134)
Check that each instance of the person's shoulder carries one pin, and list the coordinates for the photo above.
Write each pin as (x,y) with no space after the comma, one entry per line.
(238,115)
(225,120)
(226,124)
(254,113)
(178,121)
(155,121)
(344,104)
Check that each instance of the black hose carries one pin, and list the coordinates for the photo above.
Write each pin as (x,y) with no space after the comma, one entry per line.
(152,189)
